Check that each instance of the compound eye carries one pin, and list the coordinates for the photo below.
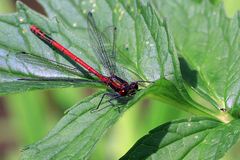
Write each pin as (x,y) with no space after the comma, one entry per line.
(122,92)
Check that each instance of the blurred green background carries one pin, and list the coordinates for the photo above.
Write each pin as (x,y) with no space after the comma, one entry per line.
(27,117)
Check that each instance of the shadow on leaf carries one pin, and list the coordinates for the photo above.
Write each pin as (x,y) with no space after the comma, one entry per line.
(148,144)
(189,75)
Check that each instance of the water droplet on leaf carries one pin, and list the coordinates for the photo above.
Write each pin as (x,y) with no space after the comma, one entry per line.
(74,24)
(21,19)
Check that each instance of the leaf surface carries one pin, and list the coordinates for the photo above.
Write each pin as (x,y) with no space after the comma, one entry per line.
(146,51)
(195,138)
(209,41)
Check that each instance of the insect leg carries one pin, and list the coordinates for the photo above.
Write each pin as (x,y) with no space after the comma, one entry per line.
(105,94)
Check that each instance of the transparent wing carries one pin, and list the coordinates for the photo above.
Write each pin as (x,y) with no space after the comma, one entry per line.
(103,44)
(110,35)
(30,57)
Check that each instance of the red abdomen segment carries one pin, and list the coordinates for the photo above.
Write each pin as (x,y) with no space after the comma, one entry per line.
(48,40)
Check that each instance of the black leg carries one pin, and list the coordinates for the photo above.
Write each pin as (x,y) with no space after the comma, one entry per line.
(95,109)
(105,94)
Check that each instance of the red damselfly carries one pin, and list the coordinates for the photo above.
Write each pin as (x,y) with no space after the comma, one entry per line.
(120,86)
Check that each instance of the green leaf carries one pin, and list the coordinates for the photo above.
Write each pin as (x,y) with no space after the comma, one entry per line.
(146,51)
(145,48)
(77,132)
(209,41)
(150,52)
(195,138)
(14,65)
(151,55)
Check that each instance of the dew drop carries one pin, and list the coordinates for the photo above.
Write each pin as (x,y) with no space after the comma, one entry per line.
(151,45)
(94,5)
(92,10)
(147,42)
(84,11)
(21,19)
(196,137)
(74,24)
(189,124)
